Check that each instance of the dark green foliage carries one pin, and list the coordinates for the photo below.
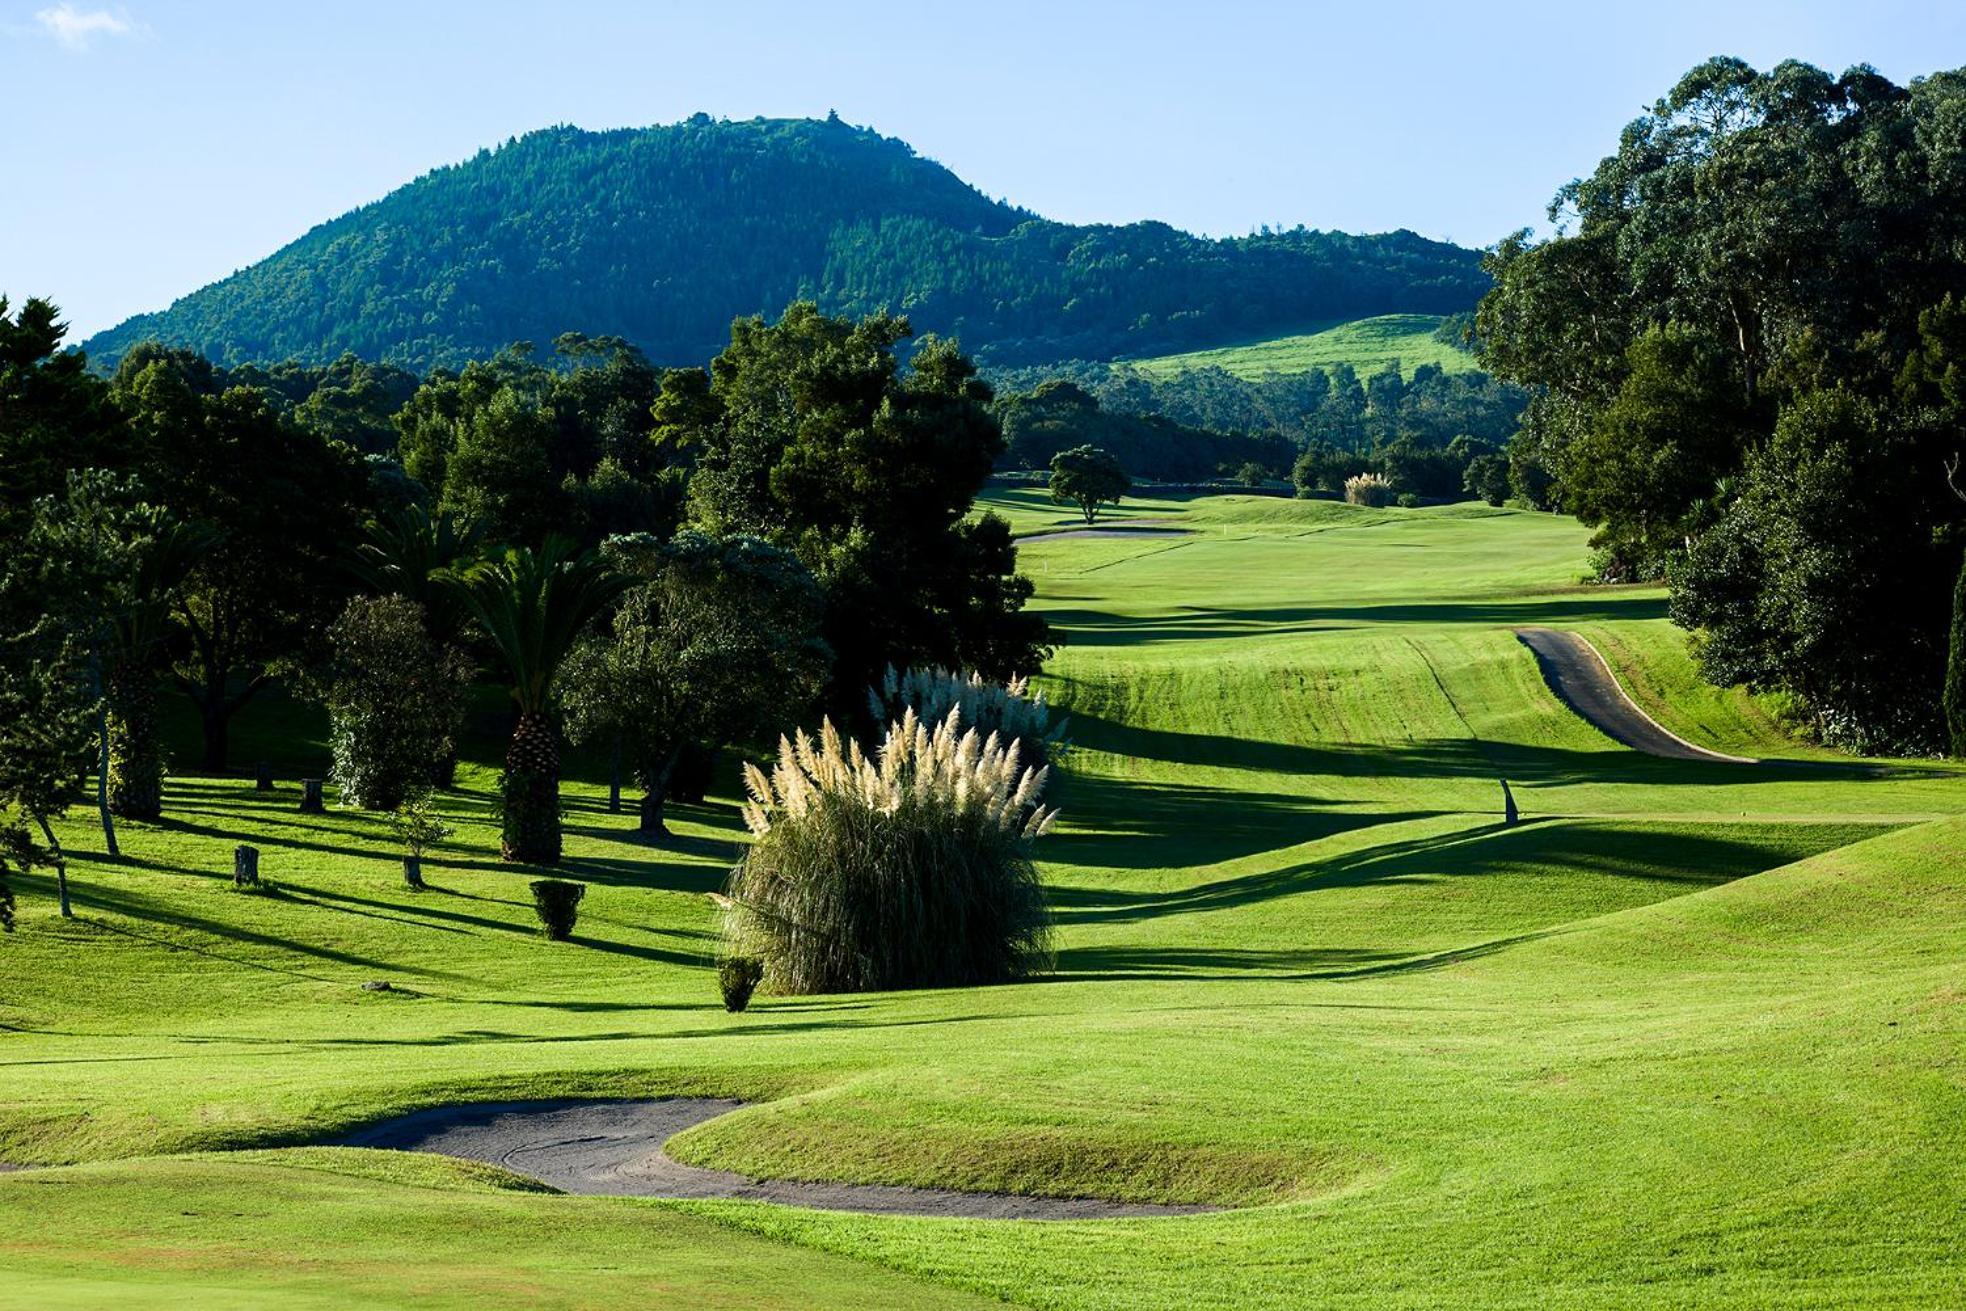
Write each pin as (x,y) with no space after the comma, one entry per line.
(1059,415)
(1746,353)
(1087,477)
(1955,689)
(718,643)
(809,433)
(567,228)
(54,415)
(557,903)
(1487,478)
(532,606)
(737,978)
(395,700)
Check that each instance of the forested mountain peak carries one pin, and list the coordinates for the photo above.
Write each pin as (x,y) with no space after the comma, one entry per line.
(663,234)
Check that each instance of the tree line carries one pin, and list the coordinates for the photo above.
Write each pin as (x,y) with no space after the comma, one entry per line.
(657,562)
(1745,352)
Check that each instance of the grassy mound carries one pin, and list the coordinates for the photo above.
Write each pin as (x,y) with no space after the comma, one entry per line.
(1365,344)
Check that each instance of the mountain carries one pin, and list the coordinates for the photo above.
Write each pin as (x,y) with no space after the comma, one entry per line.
(662,235)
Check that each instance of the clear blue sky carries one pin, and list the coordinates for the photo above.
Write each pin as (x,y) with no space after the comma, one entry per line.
(152,147)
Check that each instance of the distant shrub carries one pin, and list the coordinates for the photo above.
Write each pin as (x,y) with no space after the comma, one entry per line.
(737,978)
(557,903)
(1372,489)
(418,827)
(910,869)
(1408,501)
(1010,710)
(395,699)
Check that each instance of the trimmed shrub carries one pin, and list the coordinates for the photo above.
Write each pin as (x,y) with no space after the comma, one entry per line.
(395,700)
(737,978)
(1373,489)
(906,870)
(1010,710)
(558,905)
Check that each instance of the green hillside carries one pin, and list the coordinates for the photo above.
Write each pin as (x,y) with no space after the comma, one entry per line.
(662,235)
(1365,344)
(1688,1037)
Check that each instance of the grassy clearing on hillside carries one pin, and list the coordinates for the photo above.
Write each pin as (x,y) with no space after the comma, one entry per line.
(1689,1037)
(1365,344)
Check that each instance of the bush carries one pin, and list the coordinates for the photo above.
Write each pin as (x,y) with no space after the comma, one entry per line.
(911,869)
(1408,501)
(1372,489)
(1010,710)
(395,700)
(738,977)
(558,903)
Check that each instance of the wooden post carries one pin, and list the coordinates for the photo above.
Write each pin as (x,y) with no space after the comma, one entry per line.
(310,797)
(245,867)
(263,781)
(1510,815)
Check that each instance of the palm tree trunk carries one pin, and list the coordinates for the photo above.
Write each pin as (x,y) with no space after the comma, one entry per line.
(532,793)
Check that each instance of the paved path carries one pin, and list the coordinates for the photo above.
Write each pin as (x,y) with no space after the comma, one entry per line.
(1576,672)
(615,1148)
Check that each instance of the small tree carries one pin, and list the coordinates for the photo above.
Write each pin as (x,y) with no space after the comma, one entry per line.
(1088,477)
(418,827)
(395,701)
(1371,489)
(1252,474)
(1487,477)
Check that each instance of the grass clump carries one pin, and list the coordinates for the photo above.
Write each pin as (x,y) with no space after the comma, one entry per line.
(1010,710)
(1370,489)
(909,869)
(737,978)
(557,903)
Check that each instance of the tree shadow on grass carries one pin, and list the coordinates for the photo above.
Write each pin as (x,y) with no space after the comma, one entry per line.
(1287,965)
(1193,622)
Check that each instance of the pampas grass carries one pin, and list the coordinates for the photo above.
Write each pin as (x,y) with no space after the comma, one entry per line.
(909,868)
(1373,489)
(1010,710)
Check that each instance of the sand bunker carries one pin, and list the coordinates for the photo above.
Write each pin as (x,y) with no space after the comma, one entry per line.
(615,1148)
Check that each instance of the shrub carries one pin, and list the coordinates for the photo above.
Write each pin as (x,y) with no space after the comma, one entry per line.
(910,869)
(1408,501)
(395,699)
(558,905)
(738,977)
(1010,710)
(1372,489)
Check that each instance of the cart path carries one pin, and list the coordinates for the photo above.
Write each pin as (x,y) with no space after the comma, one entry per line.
(1582,680)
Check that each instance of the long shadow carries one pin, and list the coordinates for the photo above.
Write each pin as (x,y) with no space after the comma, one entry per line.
(1695,859)
(1086,627)
(1114,963)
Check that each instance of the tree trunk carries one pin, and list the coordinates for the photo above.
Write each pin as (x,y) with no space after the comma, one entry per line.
(217,726)
(136,758)
(1955,686)
(413,873)
(656,793)
(532,793)
(614,779)
(61,867)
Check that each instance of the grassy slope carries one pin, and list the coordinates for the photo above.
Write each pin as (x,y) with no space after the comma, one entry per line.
(1365,344)
(1690,1037)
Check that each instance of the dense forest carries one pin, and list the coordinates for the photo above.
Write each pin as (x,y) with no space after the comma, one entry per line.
(1747,356)
(661,236)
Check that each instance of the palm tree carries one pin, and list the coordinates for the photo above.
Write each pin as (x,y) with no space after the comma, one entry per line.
(532,605)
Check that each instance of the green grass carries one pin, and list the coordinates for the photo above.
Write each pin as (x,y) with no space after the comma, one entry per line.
(1689,1037)
(1365,344)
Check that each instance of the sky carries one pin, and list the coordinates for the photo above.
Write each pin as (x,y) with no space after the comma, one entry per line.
(151,147)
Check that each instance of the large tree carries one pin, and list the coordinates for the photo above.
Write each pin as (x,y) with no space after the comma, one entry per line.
(810,433)
(280,505)
(1739,342)
(532,606)
(1088,477)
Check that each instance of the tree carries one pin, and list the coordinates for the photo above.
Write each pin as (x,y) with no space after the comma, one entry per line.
(54,414)
(808,433)
(532,605)
(1087,477)
(721,643)
(278,503)
(1487,477)
(395,699)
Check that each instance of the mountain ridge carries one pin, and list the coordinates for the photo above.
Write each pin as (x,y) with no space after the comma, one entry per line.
(663,234)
